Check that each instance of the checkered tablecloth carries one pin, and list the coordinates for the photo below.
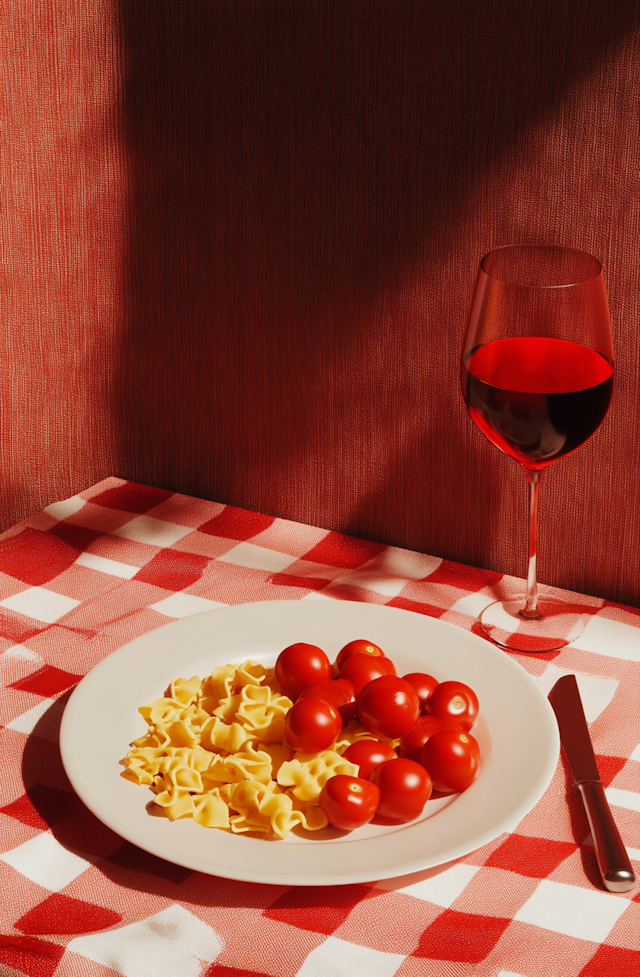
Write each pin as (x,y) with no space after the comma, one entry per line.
(90,573)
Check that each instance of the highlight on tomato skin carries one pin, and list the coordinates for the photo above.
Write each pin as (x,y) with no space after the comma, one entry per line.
(358,647)
(452,760)
(453,700)
(349,802)
(312,725)
(410,746)
(368,754)
(300,664)
(423,684)
(362,669)
(405,787)
(388,707)
(339,692)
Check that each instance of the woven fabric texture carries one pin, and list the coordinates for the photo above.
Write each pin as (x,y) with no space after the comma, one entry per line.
(93,572)
(240,240)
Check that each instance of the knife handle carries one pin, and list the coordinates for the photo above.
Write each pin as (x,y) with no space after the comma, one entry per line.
(613,861)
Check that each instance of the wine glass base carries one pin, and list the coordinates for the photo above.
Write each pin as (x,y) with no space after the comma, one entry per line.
(558,624)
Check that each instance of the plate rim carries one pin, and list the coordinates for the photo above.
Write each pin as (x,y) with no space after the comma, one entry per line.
(112,662)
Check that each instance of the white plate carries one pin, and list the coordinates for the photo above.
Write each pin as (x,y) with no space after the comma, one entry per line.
(517,732)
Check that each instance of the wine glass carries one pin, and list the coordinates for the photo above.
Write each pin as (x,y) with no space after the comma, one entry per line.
(537,377)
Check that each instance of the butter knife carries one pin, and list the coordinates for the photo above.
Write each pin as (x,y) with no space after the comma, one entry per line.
(613,861)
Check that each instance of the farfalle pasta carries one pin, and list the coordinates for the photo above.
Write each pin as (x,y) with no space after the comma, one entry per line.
(215,751)
(307,774)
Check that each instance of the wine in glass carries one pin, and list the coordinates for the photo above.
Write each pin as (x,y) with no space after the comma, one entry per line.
(537,377)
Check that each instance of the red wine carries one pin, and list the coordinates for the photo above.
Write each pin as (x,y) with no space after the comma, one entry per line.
(535,398)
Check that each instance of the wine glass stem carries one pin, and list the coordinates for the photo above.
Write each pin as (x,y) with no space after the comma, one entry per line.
(530,608)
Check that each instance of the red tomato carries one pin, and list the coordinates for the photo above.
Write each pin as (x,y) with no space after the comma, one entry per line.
(362,669)
(404,788)
(411,744)
(339,692)
(453,700)
(388,707)
(349,802)
(423,684)
(299,665)
(312,725)
(368,754)
(359,647)
(452,759)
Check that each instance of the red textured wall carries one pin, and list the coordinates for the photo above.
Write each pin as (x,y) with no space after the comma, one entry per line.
(240,239)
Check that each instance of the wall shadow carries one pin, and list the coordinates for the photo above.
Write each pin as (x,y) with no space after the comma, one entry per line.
(300,172)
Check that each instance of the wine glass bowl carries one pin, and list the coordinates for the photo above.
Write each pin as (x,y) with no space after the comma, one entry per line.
(536,373)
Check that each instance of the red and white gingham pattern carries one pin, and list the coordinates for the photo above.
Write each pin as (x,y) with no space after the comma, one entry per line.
(92,572)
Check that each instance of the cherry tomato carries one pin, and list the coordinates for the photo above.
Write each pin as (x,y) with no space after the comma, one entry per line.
(452,760)
(299,665)
(312,725)
(368,754)
(359,647)
(404,788)
(423,684)
(339,692)
(349,802)
(411,744)
(362,669)
(388,707)
(453,700)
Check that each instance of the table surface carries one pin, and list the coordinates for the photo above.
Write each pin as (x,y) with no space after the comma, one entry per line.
(89,574)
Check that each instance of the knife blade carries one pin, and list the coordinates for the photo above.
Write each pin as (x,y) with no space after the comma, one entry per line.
(613,861)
